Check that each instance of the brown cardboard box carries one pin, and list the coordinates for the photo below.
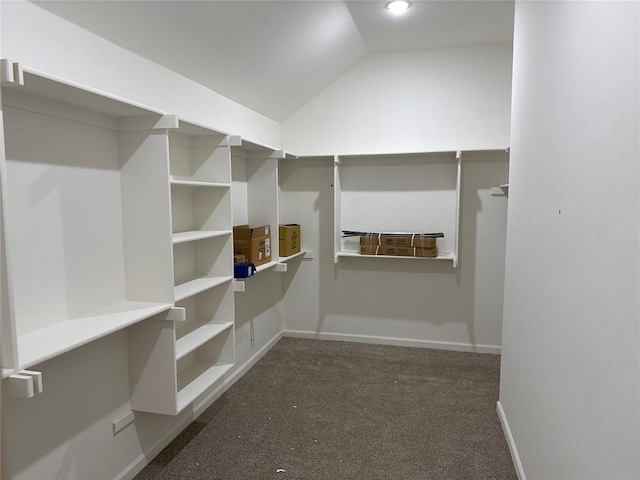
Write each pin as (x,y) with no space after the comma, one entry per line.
(424,242)
(427,252)
(239,258)
(387,250)
(244,232)
(288,239)
(398,240)
(253,243)
(368,249)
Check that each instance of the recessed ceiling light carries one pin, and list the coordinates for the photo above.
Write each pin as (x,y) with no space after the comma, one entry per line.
(397,6)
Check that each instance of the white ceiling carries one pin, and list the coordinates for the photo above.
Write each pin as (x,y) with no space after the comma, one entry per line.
(274,56)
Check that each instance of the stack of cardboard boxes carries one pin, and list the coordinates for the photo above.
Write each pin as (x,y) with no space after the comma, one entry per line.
(404,245)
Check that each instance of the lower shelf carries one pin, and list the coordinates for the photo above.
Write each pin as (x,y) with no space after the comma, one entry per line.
(42,345)
(196,379)
(198,335)
(358,255)
(198,285)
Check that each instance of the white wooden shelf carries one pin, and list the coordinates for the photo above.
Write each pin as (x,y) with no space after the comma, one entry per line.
(195,235)
(196,379)
(62,337)
(86,207)
(199,334)
(266,266)
(500,191)
(450,257)
(291,257)
(175,182)
(198,285)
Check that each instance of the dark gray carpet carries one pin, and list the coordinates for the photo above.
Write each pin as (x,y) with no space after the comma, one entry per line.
(320,410)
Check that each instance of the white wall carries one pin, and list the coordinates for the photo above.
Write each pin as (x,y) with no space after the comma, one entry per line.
(39,39)
(429,100)
(451,98)
(66,432)
(396,301)
(569,386)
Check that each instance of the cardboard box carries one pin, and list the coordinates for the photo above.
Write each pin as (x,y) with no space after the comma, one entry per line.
(239,258)
(427,252)
(253,243)
(245,232)
(424,242)
(398,241)
(288,239)
(387,250)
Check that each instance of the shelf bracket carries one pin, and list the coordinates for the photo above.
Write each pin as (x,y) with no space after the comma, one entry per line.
(234,141)
(174,314)
(238,286)
(308,255)
(280,267)
(337,160)
(26,384)
(11,73)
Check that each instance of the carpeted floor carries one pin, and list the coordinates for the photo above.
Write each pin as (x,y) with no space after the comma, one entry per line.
(320,410)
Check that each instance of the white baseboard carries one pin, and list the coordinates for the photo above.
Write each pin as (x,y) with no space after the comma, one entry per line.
(402,342)
(512,445)
(143,459)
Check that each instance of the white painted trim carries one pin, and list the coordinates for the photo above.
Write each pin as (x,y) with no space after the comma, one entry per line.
(143,459)
(402,342)
(512,444)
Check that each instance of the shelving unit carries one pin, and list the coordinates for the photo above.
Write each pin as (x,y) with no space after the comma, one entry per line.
(174,361)
(85,201)
(414,192)
(255,193)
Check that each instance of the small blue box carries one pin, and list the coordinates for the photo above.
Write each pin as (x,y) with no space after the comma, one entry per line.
(243,270)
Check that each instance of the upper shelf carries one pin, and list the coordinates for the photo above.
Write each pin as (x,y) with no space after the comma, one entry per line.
(177,182)
(35,82)
(183,237)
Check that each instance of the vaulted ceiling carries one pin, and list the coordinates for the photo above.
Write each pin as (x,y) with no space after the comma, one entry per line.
(273,56)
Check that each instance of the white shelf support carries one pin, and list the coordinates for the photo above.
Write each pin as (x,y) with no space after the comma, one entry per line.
(123,421)
(11,73)
(37,379)
(280,267)
(174,314)
(148,122)
(26,384)
(337,208)
(239,286)
(500,191)
(458,205)
(308,255)
(233,141)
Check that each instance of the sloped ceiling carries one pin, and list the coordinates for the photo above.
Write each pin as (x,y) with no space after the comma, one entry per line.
(274,56)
